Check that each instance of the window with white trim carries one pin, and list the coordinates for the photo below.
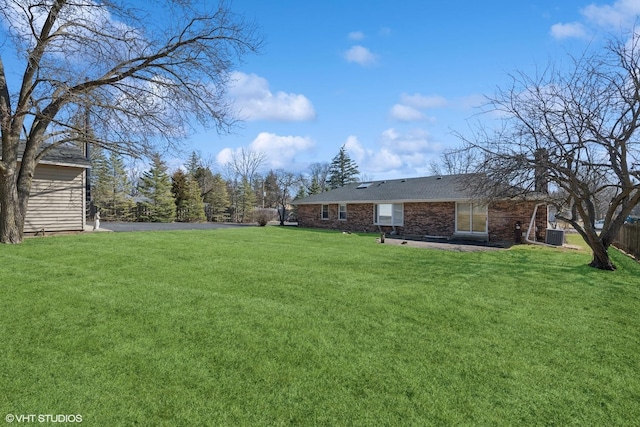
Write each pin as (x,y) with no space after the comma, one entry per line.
(342,212)
(389,214)
(471,218)
(325,212)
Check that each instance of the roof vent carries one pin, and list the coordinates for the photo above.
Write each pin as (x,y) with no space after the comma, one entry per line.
(404,180)
(364,185)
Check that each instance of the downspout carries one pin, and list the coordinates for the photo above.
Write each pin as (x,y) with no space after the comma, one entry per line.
(532,226)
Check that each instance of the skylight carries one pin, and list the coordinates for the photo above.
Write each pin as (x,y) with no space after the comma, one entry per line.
(364,185)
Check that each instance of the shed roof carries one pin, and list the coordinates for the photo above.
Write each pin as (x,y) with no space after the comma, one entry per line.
(63,155)
(66,155)
(429,188)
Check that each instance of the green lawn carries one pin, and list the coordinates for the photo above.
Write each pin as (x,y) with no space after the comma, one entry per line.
(284,326)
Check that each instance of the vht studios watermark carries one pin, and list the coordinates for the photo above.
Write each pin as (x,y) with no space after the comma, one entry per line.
(43,418)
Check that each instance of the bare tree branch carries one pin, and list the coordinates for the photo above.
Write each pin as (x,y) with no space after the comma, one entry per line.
(577,131)
(145,80)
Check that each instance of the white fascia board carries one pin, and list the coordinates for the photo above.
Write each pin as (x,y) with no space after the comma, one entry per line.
(68,165)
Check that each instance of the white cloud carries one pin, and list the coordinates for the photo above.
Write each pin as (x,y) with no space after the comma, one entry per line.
(403,154)
(370,160)
(405,113)
(254,100)
(571,30)
(280,151)
(355,149)
(421,101)
(622,13)
(415,141)
(224,156)
(360,55)
(408,110)
(356,35)
(472,101)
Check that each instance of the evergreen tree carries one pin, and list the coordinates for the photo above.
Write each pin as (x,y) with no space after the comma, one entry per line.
(197,169)
(204,178)
(271,190)
(179,187)
(342,170)
(194,163)
(186,192)
(155,185)
(301,194)
(192,206)
(218,198)
(246,201)
(110,186)
(314,188)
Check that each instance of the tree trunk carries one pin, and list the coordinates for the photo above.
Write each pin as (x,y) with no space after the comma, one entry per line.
(11,212)
(601,258)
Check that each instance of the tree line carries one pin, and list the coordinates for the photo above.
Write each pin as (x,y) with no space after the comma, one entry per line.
(237,191)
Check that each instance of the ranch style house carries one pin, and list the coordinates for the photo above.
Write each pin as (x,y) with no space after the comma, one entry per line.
(431,207)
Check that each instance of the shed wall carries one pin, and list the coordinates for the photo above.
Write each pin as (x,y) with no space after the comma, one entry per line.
(57,201)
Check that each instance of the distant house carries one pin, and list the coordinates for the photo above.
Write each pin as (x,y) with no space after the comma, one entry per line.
(57,200)
(435,206)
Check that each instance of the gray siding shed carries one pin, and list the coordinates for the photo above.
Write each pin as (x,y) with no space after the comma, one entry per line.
(57,201)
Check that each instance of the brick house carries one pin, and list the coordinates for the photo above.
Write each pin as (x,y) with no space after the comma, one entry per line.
(435,206)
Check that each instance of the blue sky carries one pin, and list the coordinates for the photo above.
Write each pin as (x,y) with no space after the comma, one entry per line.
(391,81)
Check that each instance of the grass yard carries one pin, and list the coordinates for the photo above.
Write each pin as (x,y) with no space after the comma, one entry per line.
(284,326)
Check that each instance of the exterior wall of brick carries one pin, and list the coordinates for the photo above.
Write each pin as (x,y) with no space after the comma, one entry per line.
(504,215)
(359,217)
(430,219)
(427,219)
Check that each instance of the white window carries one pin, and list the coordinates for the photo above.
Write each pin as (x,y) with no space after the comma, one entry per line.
(325,212)
(342,212)
(389,214)
(471,218)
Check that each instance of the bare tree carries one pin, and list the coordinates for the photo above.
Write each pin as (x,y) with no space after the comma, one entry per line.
(576,131)
(285,182)
(318,177)
(240,173)
(245,163)
(455,161)
(145,80)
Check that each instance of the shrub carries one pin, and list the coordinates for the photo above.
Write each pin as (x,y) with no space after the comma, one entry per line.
(262,219)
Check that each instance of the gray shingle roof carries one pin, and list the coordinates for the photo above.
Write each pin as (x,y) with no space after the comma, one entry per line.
(66,155)
(429,188)
(62,155)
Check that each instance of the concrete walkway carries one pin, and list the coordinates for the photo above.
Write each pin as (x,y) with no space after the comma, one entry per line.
(458,246)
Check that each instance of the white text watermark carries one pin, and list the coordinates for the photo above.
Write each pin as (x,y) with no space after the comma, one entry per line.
(43,418)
